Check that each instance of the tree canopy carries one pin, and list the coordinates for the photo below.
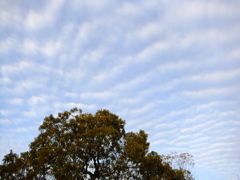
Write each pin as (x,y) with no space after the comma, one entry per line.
(76,145)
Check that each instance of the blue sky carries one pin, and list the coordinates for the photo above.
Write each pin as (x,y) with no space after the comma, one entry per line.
(171,68)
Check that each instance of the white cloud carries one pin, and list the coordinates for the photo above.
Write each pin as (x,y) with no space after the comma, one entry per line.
(34,100)
(186,11)
(199,140)
(182,144)
(130,100)
(165,133)
(26,84)
(212,105)
(7,45)
(147,31)
(143,78)
(143,109)
(15,68)
(219,77)
(23,86)
(72,94)
(97,95)
(23,129)
(131,83)
(128,9)
(36,20)
(41,19)
(198,127)
(177,149)
(81,36)
(210,37)
(176,65)
(152,50)
(198,117)
(217,145)
(227,150)
(51,48)
(8,121)
(70,105)
(30,46)
(222,124)
(165,119)
(235,53)
(210,92)
(92,4)
(197,147)
(223,9)
(95,55)
(214,157)
(222,138)
(168,125)
(9,15)
(16,101)
(5,112)
(30,113)
(5,121)
(5,80)
(108,74)
(158,141)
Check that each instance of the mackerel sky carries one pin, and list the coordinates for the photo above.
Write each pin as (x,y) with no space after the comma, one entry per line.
(171,68)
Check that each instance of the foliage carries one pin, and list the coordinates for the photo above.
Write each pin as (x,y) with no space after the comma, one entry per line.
(183,162)
(76,145)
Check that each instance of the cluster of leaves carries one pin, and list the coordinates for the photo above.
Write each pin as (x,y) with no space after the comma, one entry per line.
(76,145)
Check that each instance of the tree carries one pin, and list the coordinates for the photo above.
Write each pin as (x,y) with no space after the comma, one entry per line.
(76,145)
(183,162)
(9,168)
(86,145)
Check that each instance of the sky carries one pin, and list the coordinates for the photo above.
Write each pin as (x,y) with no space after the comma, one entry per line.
(171,68)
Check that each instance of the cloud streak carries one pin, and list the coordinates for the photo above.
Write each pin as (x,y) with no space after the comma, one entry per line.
(169,68)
